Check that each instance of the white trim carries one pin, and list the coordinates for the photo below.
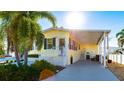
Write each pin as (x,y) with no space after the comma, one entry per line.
(82,30)
(47,44)
(104,50)
(57,43)
(107,45)
(100,52)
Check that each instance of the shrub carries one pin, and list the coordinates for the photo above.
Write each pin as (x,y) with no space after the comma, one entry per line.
(27,73)
(33,55)
(45,74)
(7,72)
(12,72)
(43,64)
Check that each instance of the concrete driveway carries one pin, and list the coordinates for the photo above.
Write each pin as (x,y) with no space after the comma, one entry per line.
(84,71)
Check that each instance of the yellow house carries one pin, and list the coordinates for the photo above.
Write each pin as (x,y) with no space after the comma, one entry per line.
(66,46)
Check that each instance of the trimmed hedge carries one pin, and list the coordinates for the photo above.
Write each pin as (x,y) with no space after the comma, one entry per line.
(12,72)
(43,64)
(33,55)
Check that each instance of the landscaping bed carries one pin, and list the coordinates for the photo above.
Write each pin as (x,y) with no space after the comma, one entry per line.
(117,69)
(59,68)
(39,70)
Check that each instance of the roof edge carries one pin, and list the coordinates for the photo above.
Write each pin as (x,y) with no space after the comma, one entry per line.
(71,30)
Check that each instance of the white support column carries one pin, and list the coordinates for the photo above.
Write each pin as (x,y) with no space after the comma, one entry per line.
(100,52)
(104,50)
(67,58)
(57,44)
(107,47)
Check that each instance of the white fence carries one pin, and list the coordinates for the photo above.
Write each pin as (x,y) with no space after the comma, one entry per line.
(52,56)
(119,58)
(57,60)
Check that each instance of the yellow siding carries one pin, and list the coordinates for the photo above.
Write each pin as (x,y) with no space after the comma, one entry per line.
(74,53)
(55,33)
(89,47)
(51,34)
(74,38)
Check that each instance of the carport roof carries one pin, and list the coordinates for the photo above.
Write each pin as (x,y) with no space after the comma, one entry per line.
(85,36)
(88,37)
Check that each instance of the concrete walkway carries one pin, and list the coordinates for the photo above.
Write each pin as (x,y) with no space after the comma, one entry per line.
(84,71)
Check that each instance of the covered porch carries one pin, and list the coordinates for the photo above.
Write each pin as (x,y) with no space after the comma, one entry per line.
(93,44)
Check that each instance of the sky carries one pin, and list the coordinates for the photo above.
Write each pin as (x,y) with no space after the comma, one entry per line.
(111,20)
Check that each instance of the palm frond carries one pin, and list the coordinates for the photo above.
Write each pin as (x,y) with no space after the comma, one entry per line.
(119,34)
(49,16)
(39,40)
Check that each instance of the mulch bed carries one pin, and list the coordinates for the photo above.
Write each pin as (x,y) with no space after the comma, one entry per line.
(117,69)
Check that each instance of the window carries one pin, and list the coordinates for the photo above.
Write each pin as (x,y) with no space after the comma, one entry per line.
(61,45)
(69,43)
(61,42)
(73,44)
(79,46)
(50,43)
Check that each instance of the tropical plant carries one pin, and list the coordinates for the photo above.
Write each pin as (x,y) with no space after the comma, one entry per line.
(23,30)
(5,19)
(2,52)
(1,41)
(29,29)
(119,51)
(43,64)
(10,35)
(120,37)
(13,72)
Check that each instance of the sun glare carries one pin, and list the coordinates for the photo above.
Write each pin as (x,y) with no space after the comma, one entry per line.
(74,19)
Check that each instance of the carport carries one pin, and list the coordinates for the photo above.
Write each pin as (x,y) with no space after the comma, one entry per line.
(96,37)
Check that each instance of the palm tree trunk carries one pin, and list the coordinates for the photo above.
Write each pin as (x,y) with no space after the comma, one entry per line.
(17,56)
(8,45)
(26,56)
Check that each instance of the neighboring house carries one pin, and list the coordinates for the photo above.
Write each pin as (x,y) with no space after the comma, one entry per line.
(66,46)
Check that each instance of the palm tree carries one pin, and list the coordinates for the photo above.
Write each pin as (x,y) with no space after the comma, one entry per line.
(23,30)
(120,37)
(2,25)
(1,40)
(11,35)
(29,29)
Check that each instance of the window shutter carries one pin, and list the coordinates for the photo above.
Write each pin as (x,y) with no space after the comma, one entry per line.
(45,43)
(54,42)
(69,43)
